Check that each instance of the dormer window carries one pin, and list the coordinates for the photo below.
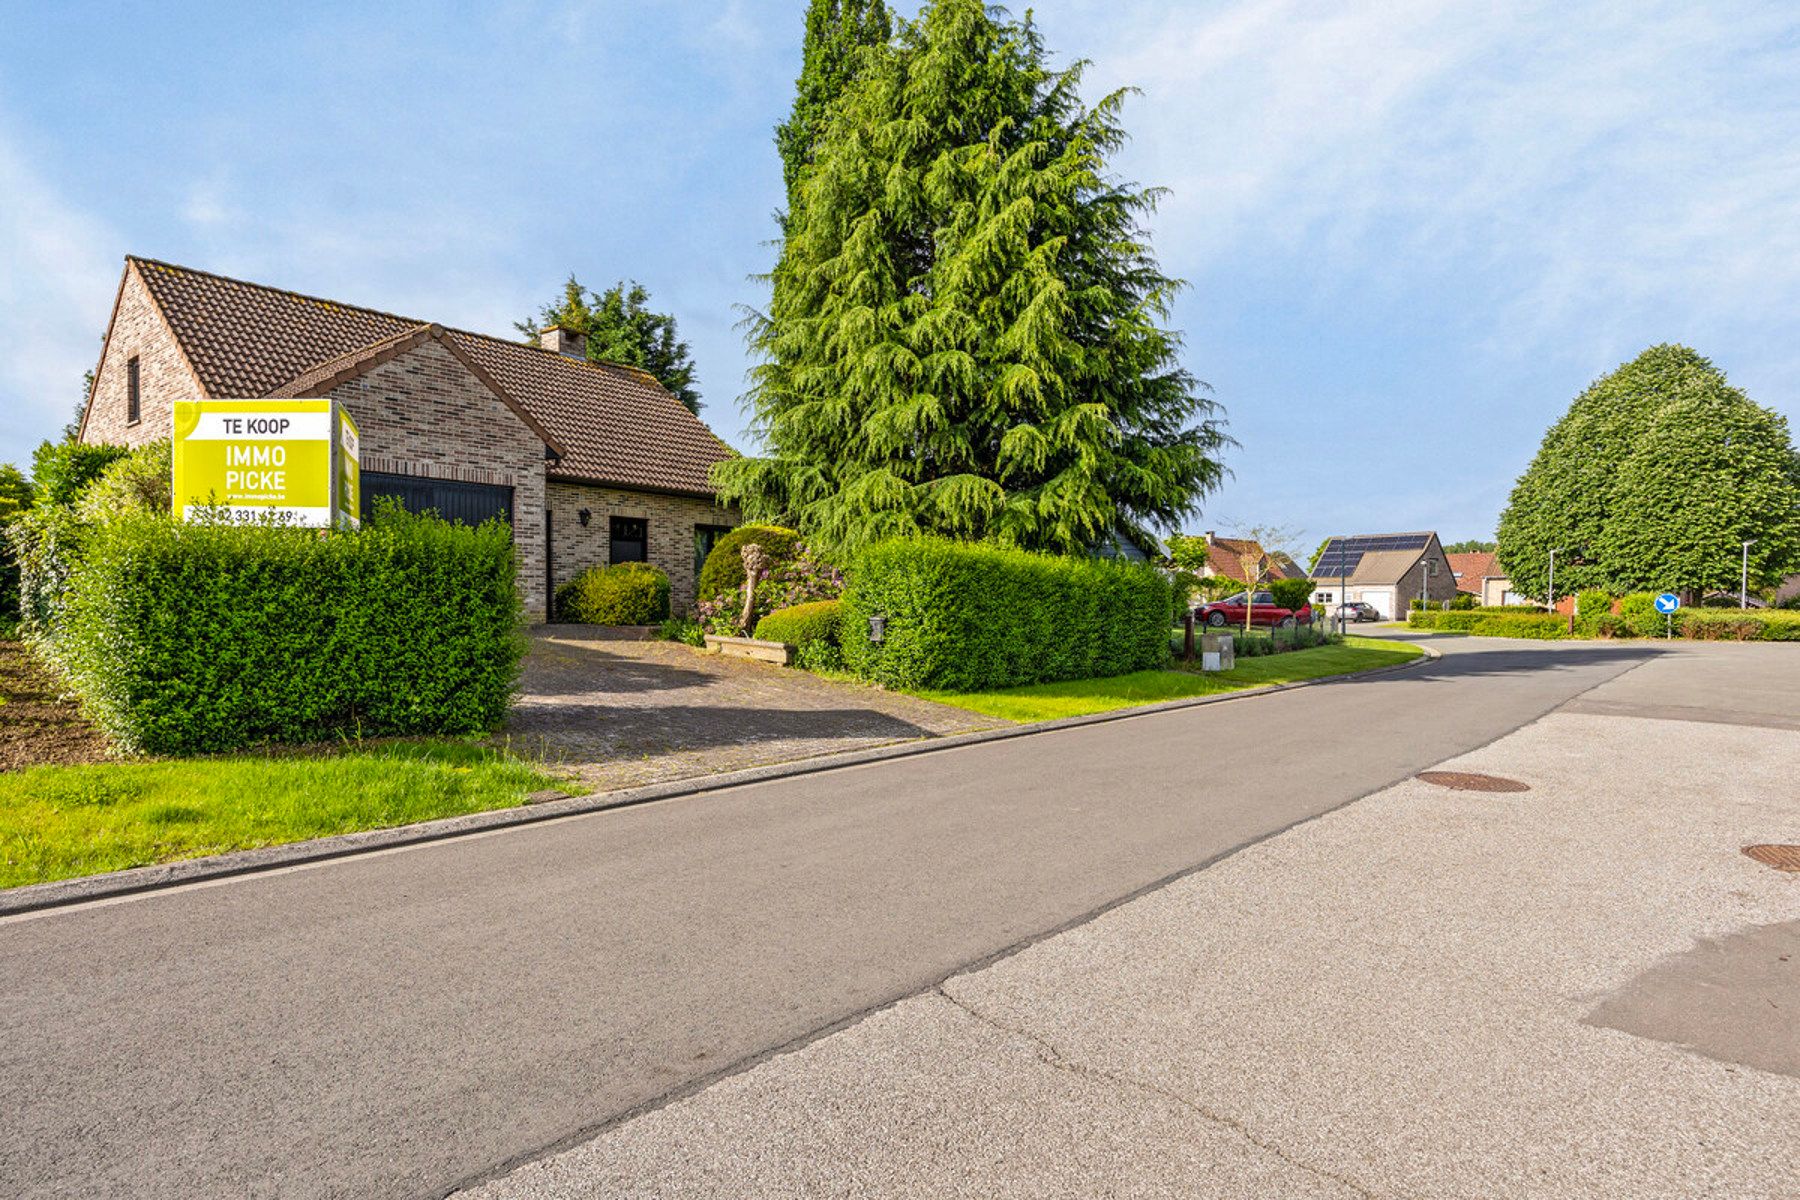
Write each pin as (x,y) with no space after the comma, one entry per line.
(134,399)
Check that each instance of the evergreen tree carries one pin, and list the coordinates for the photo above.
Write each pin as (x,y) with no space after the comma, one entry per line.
(1618,449)
(838,32)
(620,327)
(965,334)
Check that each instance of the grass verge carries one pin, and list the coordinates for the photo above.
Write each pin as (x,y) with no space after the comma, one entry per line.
(1079,697)
(58,822)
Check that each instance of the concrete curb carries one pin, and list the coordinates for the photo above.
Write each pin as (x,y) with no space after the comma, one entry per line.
(63,892)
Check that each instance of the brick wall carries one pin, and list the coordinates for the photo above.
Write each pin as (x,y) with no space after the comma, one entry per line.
(670,521)
(1442,586)
(424,414)
(163,373)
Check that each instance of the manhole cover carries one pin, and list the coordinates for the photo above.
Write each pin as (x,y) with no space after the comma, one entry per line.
(1469,781)
(1782,858)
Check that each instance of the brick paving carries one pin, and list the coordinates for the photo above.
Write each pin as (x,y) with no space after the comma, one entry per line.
(624,713)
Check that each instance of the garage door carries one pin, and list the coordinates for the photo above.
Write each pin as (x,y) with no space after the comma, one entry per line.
(1382,599)
(468,503)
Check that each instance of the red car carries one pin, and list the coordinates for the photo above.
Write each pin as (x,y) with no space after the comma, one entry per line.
(1230,611)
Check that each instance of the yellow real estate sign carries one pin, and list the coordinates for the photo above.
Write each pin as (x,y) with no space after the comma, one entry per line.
(247,458)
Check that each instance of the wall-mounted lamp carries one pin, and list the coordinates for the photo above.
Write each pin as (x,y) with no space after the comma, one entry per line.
(585,516)
(877,629)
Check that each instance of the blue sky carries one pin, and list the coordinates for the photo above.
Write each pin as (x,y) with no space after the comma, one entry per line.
(1413,231)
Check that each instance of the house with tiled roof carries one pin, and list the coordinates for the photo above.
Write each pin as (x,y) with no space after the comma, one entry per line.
(590,462)
(1238,558)
(1389,571)
(1480,575)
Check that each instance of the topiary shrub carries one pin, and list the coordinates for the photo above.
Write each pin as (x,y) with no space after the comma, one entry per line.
(964,617)
(630,593)
(1291,593)
(723,569)
(799,624)
(799,580)
(186,638)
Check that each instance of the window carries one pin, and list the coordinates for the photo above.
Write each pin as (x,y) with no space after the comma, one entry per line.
(630,540)
(134,401)
(705,538)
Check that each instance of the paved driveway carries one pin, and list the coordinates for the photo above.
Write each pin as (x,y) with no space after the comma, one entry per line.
(625,712)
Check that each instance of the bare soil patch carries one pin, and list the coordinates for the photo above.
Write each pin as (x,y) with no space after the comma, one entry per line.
(38,724)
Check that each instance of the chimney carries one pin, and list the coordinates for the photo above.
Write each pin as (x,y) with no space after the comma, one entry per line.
(1209,537)
(564,341)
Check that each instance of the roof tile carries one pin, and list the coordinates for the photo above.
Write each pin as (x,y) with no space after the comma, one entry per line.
(615,424)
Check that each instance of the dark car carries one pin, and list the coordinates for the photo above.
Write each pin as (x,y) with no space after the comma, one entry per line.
(1231,611)
(1358,610)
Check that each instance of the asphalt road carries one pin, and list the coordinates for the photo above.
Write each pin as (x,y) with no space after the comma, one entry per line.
(414,1020)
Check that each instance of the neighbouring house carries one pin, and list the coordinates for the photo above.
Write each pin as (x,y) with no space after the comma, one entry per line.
(1226,557)
(1479,575)
(590,462)
(1389,571)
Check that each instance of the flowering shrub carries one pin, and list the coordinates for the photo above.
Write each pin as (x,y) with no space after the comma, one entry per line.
(801,579)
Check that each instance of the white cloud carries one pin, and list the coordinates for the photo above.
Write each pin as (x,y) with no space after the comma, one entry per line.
(61,267)
(1567,161)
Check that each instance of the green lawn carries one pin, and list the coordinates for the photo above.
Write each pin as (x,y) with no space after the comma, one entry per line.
(59,822)
(1048,701)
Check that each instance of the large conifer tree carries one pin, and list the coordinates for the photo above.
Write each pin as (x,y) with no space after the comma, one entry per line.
(966,330)
(838,32)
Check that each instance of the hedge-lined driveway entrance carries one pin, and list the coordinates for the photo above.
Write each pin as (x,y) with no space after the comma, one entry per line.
(626,712)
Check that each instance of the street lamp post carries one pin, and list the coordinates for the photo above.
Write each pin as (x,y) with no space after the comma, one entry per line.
(1744,579)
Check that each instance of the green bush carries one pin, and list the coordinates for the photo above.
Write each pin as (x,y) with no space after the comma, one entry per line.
(724,566)
(802,623)
(1547,627)
(1291,593)
(1185,586)
(1638,612)
(142,481)
(630,593)
(184,638)
(966,617)
(683,630)
(1464,601)
(1466,619)
(60,470)
(45,544)
(1752,625)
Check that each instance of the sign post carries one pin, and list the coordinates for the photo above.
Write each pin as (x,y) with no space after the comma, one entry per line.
(1667,604)
(296,459)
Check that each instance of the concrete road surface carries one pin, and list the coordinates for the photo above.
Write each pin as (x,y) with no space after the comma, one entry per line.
(405,1022)
(1580,990)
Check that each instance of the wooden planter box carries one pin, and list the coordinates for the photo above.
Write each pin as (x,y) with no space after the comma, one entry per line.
(779,653)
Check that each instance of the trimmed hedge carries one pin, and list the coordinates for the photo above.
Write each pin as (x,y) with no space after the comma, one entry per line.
(724,566)
(1637,617)
(963,617)
(183,638)
(1752,625)
(1465,619)
(800,624)
(1547,627)
(629,593)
